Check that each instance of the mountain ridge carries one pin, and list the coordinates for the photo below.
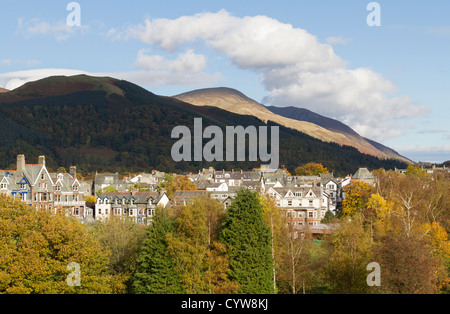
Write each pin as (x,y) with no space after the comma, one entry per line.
(105,124)
(303,120)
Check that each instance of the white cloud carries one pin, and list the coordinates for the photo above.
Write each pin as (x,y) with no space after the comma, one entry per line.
(5,62)
(337,40)
(295,68)
(60,30)
(14,80)
(186,62)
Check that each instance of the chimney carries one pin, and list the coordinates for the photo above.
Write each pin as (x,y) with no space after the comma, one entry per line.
(41,160)
(20,162)
(73,171)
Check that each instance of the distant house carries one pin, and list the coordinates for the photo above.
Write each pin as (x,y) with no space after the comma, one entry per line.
(103,180)
(137,206)
(303,205)
(56,192)
(181,198)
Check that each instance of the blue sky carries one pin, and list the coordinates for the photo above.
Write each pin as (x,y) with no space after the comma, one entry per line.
(390,83)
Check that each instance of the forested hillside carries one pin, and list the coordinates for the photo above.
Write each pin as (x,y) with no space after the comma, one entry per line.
(100,130)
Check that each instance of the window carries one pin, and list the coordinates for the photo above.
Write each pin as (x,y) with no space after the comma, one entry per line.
(290,203)
(75,188)
(23,186)
(311,202)
(58,188)
(298,194)
(42,176)
(3,186)
(310,214)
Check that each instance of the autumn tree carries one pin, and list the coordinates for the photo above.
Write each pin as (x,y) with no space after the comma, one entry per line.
(311,169)
(357,194)
(199,258)
(180,183)
(37,247)
(275,219)
(349,253)
(123,238)
(407,264)
(107,189)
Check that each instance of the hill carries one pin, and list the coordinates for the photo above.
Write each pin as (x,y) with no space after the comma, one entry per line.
(305,121)
(2,90)
(104,124)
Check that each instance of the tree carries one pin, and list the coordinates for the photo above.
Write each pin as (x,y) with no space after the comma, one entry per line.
(328,218)
(156,268)
(108,189)
(275,219)
(123,238)
(311,169)
(349,253)
(199,259)
(181,183)
(37,247)
(407,264)
(357,194)
(248,243)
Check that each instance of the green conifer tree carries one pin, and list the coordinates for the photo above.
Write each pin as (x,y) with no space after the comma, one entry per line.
(248,241)
(156,274)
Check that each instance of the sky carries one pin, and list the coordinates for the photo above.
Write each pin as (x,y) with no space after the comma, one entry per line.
(390,82)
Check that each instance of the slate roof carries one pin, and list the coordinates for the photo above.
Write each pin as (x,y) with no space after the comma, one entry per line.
(363,174)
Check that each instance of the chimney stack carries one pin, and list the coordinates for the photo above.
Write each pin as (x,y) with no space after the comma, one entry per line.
(20,162)
(41,160)
(73,171)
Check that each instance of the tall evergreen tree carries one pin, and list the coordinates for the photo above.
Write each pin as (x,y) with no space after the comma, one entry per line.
(248,241)
(156,274)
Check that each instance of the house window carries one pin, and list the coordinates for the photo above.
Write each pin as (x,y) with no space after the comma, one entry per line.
(75,188)
(42,176)
(58,188)
(310,214)
(23,186)
(298,194)
(311,202)
(3,186)
(290,203)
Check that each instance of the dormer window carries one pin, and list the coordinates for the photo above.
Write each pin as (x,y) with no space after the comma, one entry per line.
(75,188)
(42,176)
(3,186)
(58,188)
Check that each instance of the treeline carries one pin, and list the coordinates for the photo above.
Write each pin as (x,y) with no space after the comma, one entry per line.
(132,133)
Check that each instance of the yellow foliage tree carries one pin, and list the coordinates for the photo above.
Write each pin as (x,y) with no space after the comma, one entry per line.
(357,195)
(36,248)
(311,169)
